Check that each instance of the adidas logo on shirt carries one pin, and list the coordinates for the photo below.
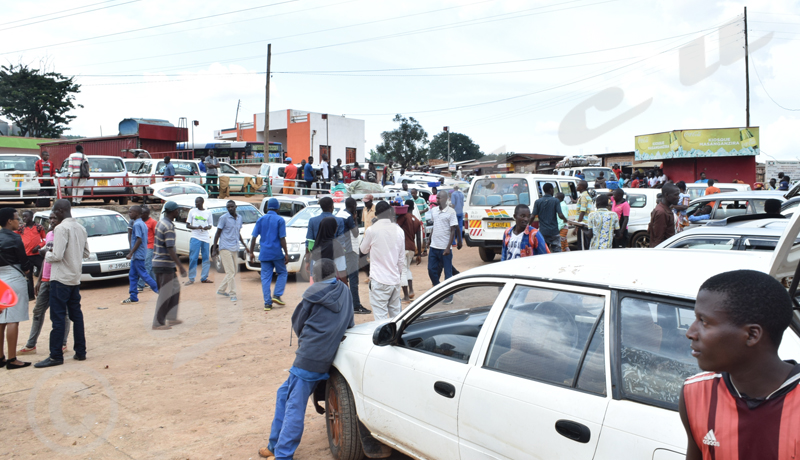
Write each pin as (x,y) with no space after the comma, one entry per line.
(710,439)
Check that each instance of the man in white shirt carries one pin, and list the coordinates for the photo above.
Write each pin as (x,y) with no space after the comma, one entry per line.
(75,160)
(199,222)
(385,243)
(445,229)
(326,173)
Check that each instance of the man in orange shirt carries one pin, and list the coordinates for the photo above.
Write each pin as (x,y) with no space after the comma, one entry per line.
(289,175)
(711,189)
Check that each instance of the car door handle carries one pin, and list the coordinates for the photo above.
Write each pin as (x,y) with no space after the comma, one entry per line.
(574,431)
(445,389)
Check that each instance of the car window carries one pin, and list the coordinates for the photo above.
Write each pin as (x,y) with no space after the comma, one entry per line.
(44,221)
(227,169)
(760,244)
(758,205)
(543,334)
(285,209)
(655,354)
(183,214)
(301,218)
(637,201)
(729,208)
(503,191)
(449,326)
(570,191)
(103,225)
(181,168)
(133,166)
(101,165)
(705,242)
(696,192)
(17,163)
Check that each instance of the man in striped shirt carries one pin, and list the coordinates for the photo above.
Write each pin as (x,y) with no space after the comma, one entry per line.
(747,404)
(75,194)
(165,261)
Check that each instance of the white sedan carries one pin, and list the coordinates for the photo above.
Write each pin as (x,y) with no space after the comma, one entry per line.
(534,358)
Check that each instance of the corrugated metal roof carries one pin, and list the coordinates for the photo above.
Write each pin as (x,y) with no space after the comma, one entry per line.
(21,142)
(84,139)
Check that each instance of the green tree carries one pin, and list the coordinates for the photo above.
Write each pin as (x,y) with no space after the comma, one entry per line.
(375,156)
(462,148)
(407,144)
(37,101)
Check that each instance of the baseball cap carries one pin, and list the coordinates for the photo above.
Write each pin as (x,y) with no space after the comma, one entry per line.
(273,204)
(288,159)
(170,206)
(368,197)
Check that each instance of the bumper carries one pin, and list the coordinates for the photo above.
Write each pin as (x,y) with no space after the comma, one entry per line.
(474,243)
(96,271)
(292,267)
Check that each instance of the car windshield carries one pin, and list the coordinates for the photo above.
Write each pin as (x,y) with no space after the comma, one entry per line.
(181,168)
(248,212)
(504,191)
(111,224)
(133,166)
(17,163)
(144,168)
(187,188)
(592,173)
(301,218)
(100,165)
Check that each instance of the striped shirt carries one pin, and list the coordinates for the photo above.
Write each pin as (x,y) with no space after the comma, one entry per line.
(727,425)
(165,238)
(74,164)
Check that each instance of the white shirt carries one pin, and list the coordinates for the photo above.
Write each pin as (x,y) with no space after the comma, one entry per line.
(324,166)
(198,218)
(386,245)
(442,221)
(514,244)
(652,182)
(396,176)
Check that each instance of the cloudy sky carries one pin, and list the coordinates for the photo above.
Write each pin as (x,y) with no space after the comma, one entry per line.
(533,76)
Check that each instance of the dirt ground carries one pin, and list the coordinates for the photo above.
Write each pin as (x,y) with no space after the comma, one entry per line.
(203,390)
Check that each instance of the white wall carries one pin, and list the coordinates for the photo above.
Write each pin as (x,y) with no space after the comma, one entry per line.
(340,133)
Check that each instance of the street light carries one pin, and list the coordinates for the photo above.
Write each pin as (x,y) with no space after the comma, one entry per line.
(194,123)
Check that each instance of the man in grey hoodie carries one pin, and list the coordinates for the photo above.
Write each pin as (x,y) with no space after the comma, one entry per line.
(320,322)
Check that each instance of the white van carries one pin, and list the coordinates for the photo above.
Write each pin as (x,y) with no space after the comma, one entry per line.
(489,209)
(18,176)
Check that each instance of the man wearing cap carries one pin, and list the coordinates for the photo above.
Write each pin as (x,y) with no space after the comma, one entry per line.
(289,175)
(273,256)
(165,260)
(385,243)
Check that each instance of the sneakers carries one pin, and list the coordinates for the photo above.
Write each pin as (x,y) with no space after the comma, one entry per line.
(362,311)
(234,299)
(140,289)
(128,300)
(267,307)
(27,351)
(277,299)
(222,293)
(188,283)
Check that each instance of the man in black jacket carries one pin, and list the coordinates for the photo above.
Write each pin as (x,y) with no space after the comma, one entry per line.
(320,322)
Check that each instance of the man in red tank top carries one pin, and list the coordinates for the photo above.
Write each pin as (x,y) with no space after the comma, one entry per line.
(747,406)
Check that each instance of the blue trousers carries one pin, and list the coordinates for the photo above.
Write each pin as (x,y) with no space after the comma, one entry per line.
(460,218)
(63,299)
(352,277)
(136,272)
(267,266)
(148,267)
(290,412)
(438,261)
(195,248)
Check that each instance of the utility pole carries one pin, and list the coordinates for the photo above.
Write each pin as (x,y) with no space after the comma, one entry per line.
(266,103)
(236,121)
(447,130)
(746,69)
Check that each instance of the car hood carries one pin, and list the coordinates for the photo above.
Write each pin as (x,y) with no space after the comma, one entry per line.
(295,235)
(107,243)
(364,329)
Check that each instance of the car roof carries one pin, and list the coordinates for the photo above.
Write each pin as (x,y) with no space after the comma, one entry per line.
(19,155)
(84,212)
(526,176)
(746,195)
(622,271)
(304,198)
(209,202)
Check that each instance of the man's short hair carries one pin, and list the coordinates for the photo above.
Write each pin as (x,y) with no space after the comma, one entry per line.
(521,207)
(601,201)
(772,206)
(324,269)
(710,182)
(382,207)
(681,185)
(79,148)
(326,203)
(6,214)
(548,188)
(753,297)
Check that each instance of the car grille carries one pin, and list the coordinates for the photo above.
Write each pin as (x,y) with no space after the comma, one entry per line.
(111,255)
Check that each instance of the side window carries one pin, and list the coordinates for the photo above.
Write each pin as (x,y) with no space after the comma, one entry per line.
(227,169)
(449,326)
(160,167)
(297,208)
(760,244)
(655,353)
(285,209)
(570,192)
(709,242)
(592,377)
(729,208)
(544,334)
(637,201)
(182,215)
(694,207)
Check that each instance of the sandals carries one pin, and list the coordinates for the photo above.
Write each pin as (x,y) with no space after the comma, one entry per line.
(3,361)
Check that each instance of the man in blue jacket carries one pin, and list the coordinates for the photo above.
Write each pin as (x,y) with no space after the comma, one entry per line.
(320,322)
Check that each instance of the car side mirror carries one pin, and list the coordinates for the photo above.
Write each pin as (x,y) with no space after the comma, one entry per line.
(384,335)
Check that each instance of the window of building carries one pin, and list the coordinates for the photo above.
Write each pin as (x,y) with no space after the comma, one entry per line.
(350,155)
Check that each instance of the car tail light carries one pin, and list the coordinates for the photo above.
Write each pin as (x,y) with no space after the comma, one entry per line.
(466,220)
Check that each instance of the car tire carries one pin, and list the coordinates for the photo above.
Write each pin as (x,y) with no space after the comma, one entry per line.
(106,200)
(640,240)
(217,263)
(123,201)
(487,255)
(341,420)
(303,274)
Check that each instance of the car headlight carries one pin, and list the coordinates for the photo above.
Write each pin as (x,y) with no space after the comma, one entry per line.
(294,247)
(92,257)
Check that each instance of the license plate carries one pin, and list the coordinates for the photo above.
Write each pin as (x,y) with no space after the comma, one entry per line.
(102,183)
(17,177)
(499,224)
(119,266)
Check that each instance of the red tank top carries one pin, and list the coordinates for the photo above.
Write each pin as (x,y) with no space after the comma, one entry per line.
(724,427)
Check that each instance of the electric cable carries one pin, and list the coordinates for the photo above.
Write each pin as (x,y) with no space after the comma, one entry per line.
(767,92)
(69,15)
(56,12)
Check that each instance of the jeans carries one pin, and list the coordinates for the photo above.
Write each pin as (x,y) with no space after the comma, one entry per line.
(137,271)
(309,184)
(438,261)
(39,309)
(460,218)
(169,295)
(230,264)
(148,267)
(553,242)
(289,420)
(267,266)
(65,300)
(352,277)
(195,248)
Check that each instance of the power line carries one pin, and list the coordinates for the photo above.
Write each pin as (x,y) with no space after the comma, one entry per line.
(68,15)
(767,93)
(151,27)
(56,12)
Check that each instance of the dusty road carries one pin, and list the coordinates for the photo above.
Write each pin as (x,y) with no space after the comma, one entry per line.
(203,390)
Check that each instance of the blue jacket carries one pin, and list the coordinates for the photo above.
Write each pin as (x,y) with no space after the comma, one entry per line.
(320,321)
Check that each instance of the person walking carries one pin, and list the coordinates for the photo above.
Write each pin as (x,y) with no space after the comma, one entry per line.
(226,244)
(662,220)
(165,262)
(422,207)
(42,290)
(342,226)
(70,247)
(137,256)
(623,210)
(14,265)
(270,230)
(289,176)
(199,222)
(711,190)
(78,170)
(522,240)
(602,224)
(445,228)
(320,321)
(33,236)
(308,176)
(169,170)
(411,227)
(585,208)
(352,258)
(44,170)
(746,405)
(457,202)
(385,243)
(548,209)
(151,240)
(563,230)
(212,174)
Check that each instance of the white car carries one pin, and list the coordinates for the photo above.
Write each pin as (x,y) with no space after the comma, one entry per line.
(236,178)
(108,242)
(169,190)
(289,204)
(108,179)
(18,176)
(151,171)
(248,212)
(565,357)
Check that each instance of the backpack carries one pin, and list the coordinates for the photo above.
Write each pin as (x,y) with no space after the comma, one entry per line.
(84,174)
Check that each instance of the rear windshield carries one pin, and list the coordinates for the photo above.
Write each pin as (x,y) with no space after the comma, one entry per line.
(103,225)
(592,173)
(502,191)
(17,163)
(248,212)
(100,165)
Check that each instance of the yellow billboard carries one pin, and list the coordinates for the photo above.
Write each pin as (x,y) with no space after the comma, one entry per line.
(725,142)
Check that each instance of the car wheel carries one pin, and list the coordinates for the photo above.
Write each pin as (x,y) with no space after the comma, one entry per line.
(303,273)
(487,255)
(640,240)
(106,200)
(341,420)
(123,201)
(217,262)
